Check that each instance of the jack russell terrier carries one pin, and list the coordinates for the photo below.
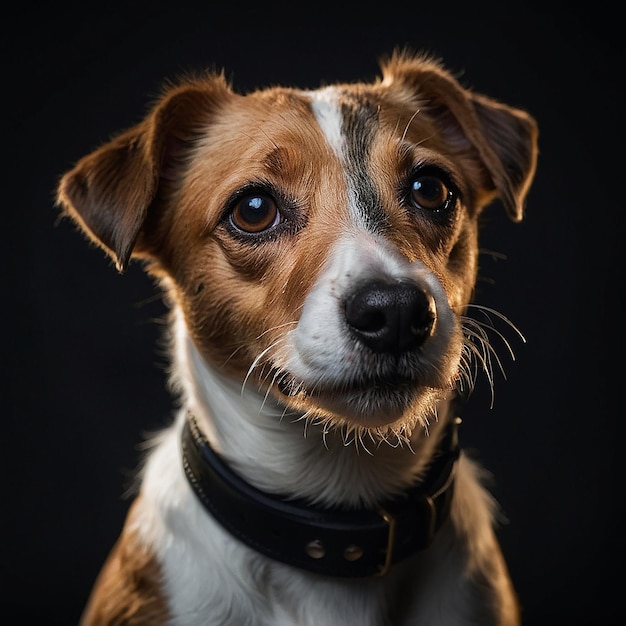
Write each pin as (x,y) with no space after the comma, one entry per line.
(318,249)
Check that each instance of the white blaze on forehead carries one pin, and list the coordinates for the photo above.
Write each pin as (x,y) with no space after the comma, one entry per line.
(325,106)
(327,110)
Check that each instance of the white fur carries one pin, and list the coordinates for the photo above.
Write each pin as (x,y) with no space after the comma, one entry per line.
(328,116)
(249,589)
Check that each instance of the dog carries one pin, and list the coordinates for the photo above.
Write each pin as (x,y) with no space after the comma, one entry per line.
(318,251)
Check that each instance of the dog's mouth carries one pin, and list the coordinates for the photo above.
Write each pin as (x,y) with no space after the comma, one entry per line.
(370,402)
(289,386)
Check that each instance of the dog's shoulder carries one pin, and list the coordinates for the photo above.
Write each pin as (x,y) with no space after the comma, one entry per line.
(128,589)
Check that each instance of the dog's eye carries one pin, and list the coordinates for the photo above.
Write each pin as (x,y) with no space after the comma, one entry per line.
(430,192)
(254,213)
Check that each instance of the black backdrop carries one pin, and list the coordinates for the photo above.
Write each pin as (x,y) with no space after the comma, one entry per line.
(81,360)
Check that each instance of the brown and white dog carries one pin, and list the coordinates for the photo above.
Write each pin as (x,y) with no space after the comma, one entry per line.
(319,252)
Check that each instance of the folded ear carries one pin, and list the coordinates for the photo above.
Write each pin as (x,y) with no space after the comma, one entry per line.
(109,192)
(503,137)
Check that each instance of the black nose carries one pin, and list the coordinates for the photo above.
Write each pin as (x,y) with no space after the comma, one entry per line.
(390,317)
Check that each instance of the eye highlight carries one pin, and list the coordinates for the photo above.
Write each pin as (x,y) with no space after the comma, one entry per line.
(254,213)
(429,190)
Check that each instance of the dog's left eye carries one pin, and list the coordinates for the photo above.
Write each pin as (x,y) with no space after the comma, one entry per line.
(254,213)
(430,192)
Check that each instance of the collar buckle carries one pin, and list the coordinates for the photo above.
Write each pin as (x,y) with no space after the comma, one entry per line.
(391,524)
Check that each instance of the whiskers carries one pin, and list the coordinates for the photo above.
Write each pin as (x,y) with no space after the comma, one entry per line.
(479,353)
(364,438)
(262,360)
(263,369)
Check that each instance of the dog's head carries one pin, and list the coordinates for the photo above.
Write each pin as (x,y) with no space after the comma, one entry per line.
(321,245)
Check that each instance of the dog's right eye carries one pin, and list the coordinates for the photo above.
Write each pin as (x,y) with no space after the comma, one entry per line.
(430,192)
(254,213)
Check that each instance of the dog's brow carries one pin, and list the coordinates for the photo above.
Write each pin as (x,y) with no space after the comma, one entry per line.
(349,125)
(328,116)
(274,160)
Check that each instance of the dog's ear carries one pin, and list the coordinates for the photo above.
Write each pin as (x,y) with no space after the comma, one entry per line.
(109,192)
(504,137)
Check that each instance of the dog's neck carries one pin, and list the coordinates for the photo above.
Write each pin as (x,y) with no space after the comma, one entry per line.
(277,451)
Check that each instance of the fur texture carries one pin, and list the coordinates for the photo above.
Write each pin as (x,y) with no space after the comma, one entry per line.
(319,253)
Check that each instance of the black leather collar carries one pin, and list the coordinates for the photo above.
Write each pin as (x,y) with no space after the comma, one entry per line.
(331,542)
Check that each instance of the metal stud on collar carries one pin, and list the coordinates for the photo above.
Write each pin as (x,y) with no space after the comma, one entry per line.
(315,549)
(353,553)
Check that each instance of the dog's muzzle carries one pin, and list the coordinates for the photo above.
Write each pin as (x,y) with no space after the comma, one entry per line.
(377,342)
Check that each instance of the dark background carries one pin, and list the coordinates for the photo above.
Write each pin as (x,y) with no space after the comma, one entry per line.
(82,365)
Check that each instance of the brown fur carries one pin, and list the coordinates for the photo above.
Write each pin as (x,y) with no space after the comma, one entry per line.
(129,586)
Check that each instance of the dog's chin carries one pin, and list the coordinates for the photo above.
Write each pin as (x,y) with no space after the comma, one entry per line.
(379,405)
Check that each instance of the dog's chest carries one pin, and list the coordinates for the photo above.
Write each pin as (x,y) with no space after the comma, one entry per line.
(212,579)
(233,585)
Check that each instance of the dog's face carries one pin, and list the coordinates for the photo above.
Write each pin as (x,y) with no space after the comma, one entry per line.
(320,244)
